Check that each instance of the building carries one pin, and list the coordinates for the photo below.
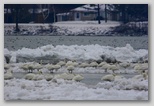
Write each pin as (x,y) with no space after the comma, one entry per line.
(63,16)
(8,16)
(78,14)
(83,13)
(89,12)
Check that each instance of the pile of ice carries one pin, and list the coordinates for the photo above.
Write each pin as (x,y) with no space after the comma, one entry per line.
(21,89)
(63,28)
(125,84)
(83,52)
(138,24)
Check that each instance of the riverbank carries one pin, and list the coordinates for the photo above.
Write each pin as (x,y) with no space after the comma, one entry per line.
(67,28)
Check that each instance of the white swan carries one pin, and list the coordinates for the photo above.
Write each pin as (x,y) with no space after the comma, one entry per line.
(78,78)
(105,67)
(117,77)
(8,75)
(56,67)
(38,66)
(31,67)
(35,77)
(29,76)
(124,64)
(102,64)
(61,63)
(69,63)
(84,65)
(24,67)
(141,67)
(142,76)
(75,64)
(109,77)
(38,76)
(145,75)
(70,68)
(65,76)
(70,76)
(113,68)
(50,67)
(48,77)
(93,64)
(6,66)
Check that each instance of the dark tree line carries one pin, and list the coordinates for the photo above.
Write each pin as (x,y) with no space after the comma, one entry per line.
(128,12)
(21,10)
(133,12)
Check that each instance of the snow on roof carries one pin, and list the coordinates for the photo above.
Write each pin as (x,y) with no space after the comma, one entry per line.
(85,8)
(63,14)
(93,8)
(37,10)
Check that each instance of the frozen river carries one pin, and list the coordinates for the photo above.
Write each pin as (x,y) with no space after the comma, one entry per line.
(129,49)
(18,42)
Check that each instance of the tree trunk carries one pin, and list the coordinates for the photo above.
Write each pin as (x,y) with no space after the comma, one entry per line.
(99,15)
(7,15)
(44,15)
(54,13)
(123,7)
(17,12)
(105,14)
(33,13)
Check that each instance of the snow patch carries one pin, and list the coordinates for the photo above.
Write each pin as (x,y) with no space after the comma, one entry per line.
(68,90)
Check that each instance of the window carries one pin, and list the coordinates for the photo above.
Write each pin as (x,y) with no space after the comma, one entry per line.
(77,15)
(86,14)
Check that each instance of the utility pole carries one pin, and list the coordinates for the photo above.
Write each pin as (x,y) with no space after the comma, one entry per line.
(17,12)
(99,22)
(54,13)
(105,14)
(123,10)
(33,12)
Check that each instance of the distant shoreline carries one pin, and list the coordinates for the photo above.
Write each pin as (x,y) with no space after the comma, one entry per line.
(78,28)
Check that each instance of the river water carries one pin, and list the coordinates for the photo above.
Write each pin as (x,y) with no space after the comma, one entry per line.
(89,78)
(18,42)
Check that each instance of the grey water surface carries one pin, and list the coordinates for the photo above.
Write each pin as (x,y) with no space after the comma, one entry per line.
(18,42)
(89,78)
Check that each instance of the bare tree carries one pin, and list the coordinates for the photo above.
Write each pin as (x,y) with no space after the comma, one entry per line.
(33,6)
(98,14)
(54,12)
(17,17)
(7,15)
(105,13)
(45,10)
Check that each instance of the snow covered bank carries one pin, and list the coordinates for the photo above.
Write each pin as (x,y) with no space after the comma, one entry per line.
(20,89)
(79,53)
(132,29)
(74,28)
